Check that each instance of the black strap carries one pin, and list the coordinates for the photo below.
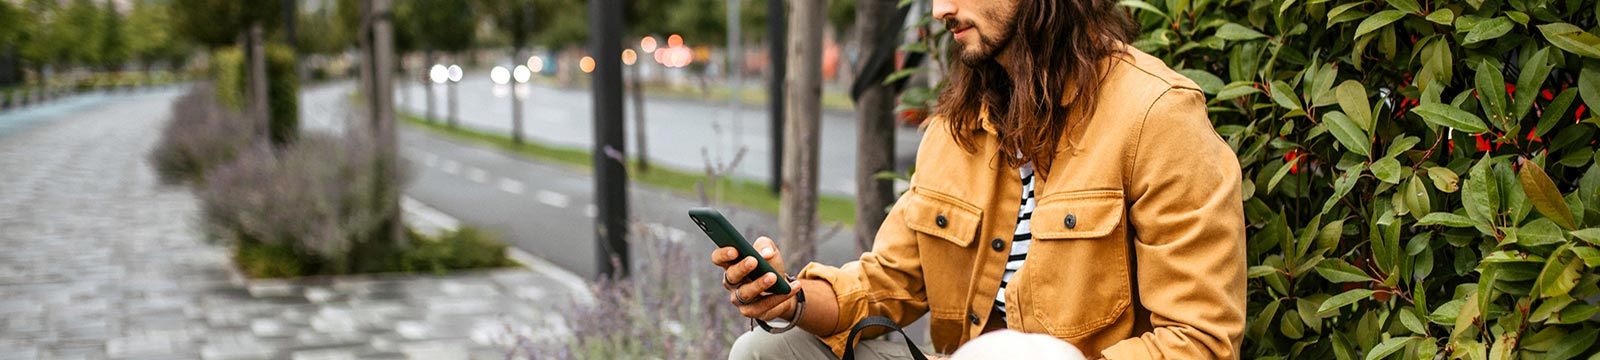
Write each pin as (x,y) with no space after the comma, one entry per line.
(870,321)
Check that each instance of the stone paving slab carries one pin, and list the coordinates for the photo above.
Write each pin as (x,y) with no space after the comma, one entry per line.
(101,262)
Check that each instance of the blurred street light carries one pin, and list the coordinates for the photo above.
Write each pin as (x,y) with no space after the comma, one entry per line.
(648,44)
(674,41)
(586,64)
(500,75)
(536,64)
(438,74)
(521,74)
(629,57)
(455,73)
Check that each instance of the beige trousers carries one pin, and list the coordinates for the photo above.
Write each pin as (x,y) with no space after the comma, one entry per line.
(998,345)
(799,344)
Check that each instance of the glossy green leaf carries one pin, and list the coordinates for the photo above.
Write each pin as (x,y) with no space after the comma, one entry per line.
(1236,32)
(1572,39)
(1488,30)
(1589,86)
(1444,179)
(1352,98)
(1209,83)
(1283,95)
(1344,298)
(1452,117)
(1590,256)
(1387,170)
(1338,271)
(1555,111)
(1540,232)
(1417,198)
(1348,133)
(1446,219)
(1378,21)
(1388,347)
(1590,235)
(1141,5)
(1411,321)
(1534,72)
(1491,89)
(1236,90)
(1560,274)
(1442,16)
(1544,195)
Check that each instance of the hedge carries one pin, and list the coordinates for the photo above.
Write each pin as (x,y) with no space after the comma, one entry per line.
(229,69)
(1419,176)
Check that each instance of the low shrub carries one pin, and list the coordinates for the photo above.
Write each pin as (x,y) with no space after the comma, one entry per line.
(200,136)
(315,196)
(667,310)
(464,248)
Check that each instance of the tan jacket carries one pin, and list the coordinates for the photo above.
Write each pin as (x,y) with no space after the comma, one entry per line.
(1138,236)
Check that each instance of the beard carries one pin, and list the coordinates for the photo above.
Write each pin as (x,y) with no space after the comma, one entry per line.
(987,47)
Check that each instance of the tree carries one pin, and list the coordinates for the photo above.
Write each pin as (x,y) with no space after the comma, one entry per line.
(876,41)
(447,26)
(217,23)
(113,45)
(155,43)
(797,215)
(377,67)
(516,19)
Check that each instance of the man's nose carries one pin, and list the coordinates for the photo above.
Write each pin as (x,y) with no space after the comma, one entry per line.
(943,9)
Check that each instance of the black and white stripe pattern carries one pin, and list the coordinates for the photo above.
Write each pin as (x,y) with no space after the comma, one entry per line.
(1020,238)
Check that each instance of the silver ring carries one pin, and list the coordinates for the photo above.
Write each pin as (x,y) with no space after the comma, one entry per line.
(740,299)
(730,284)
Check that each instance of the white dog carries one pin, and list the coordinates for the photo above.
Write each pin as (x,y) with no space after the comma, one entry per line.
(1011,344)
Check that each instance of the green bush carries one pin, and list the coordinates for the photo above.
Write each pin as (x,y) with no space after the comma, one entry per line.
(1419,176)
(200,136)
(465,248)
(229,68)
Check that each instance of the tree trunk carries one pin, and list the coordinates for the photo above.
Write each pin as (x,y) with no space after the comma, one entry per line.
(377,67)
(639,131)
(259,102)
(427,83)
(451,103)
(798,200)
(874,123)
(516,102)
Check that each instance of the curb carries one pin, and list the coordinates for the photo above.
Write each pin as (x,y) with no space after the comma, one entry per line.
(429,220)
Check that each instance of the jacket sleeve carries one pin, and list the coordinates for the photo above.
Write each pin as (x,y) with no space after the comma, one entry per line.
(1185,207)
(886,281)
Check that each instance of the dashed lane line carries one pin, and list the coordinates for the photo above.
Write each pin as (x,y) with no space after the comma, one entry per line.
(511,186)
(554,199)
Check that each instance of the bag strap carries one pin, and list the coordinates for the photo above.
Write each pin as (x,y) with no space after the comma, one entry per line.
(870,321)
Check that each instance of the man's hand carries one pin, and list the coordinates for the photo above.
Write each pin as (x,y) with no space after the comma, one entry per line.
(757,303)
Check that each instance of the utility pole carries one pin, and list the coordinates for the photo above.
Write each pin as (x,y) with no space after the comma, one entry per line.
(797,216)
(735,73)
(777,40)
(610,150)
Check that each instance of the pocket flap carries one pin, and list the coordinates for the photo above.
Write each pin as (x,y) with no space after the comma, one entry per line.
(942,216)
(1077,215)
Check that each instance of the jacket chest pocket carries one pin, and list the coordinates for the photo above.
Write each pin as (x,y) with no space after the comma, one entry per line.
(945,228)
(1076,280)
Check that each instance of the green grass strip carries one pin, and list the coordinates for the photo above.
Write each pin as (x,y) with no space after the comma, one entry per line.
(736,191)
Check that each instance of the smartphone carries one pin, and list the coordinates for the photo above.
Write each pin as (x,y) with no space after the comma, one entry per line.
(723,233)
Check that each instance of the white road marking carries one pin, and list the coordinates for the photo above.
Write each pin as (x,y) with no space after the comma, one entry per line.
(590,211)
(450,167)
(511,186)
(429,159)
(429,219)
(477,175)
(551,198)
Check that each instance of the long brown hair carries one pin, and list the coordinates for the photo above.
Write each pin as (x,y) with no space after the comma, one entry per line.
(1057,48)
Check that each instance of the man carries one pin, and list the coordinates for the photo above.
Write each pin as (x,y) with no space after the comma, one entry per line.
(1069,186)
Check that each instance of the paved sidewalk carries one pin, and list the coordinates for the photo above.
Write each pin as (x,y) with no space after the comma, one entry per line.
(100,262)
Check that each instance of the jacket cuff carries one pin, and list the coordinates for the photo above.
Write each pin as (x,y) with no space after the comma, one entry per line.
(844,287)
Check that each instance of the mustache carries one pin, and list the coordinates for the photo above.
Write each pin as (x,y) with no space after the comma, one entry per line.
(952,24)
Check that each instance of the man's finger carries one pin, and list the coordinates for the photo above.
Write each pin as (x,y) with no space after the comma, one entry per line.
(764,246)
(724,257)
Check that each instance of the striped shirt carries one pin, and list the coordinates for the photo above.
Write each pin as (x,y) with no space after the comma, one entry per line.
(1020,238)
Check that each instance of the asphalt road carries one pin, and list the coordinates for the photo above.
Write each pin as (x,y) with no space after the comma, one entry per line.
(684,134)
(542,208)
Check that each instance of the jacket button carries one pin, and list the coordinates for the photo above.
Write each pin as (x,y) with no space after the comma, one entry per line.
(998,244)
(972,318)
(941,221)
(1071,221)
